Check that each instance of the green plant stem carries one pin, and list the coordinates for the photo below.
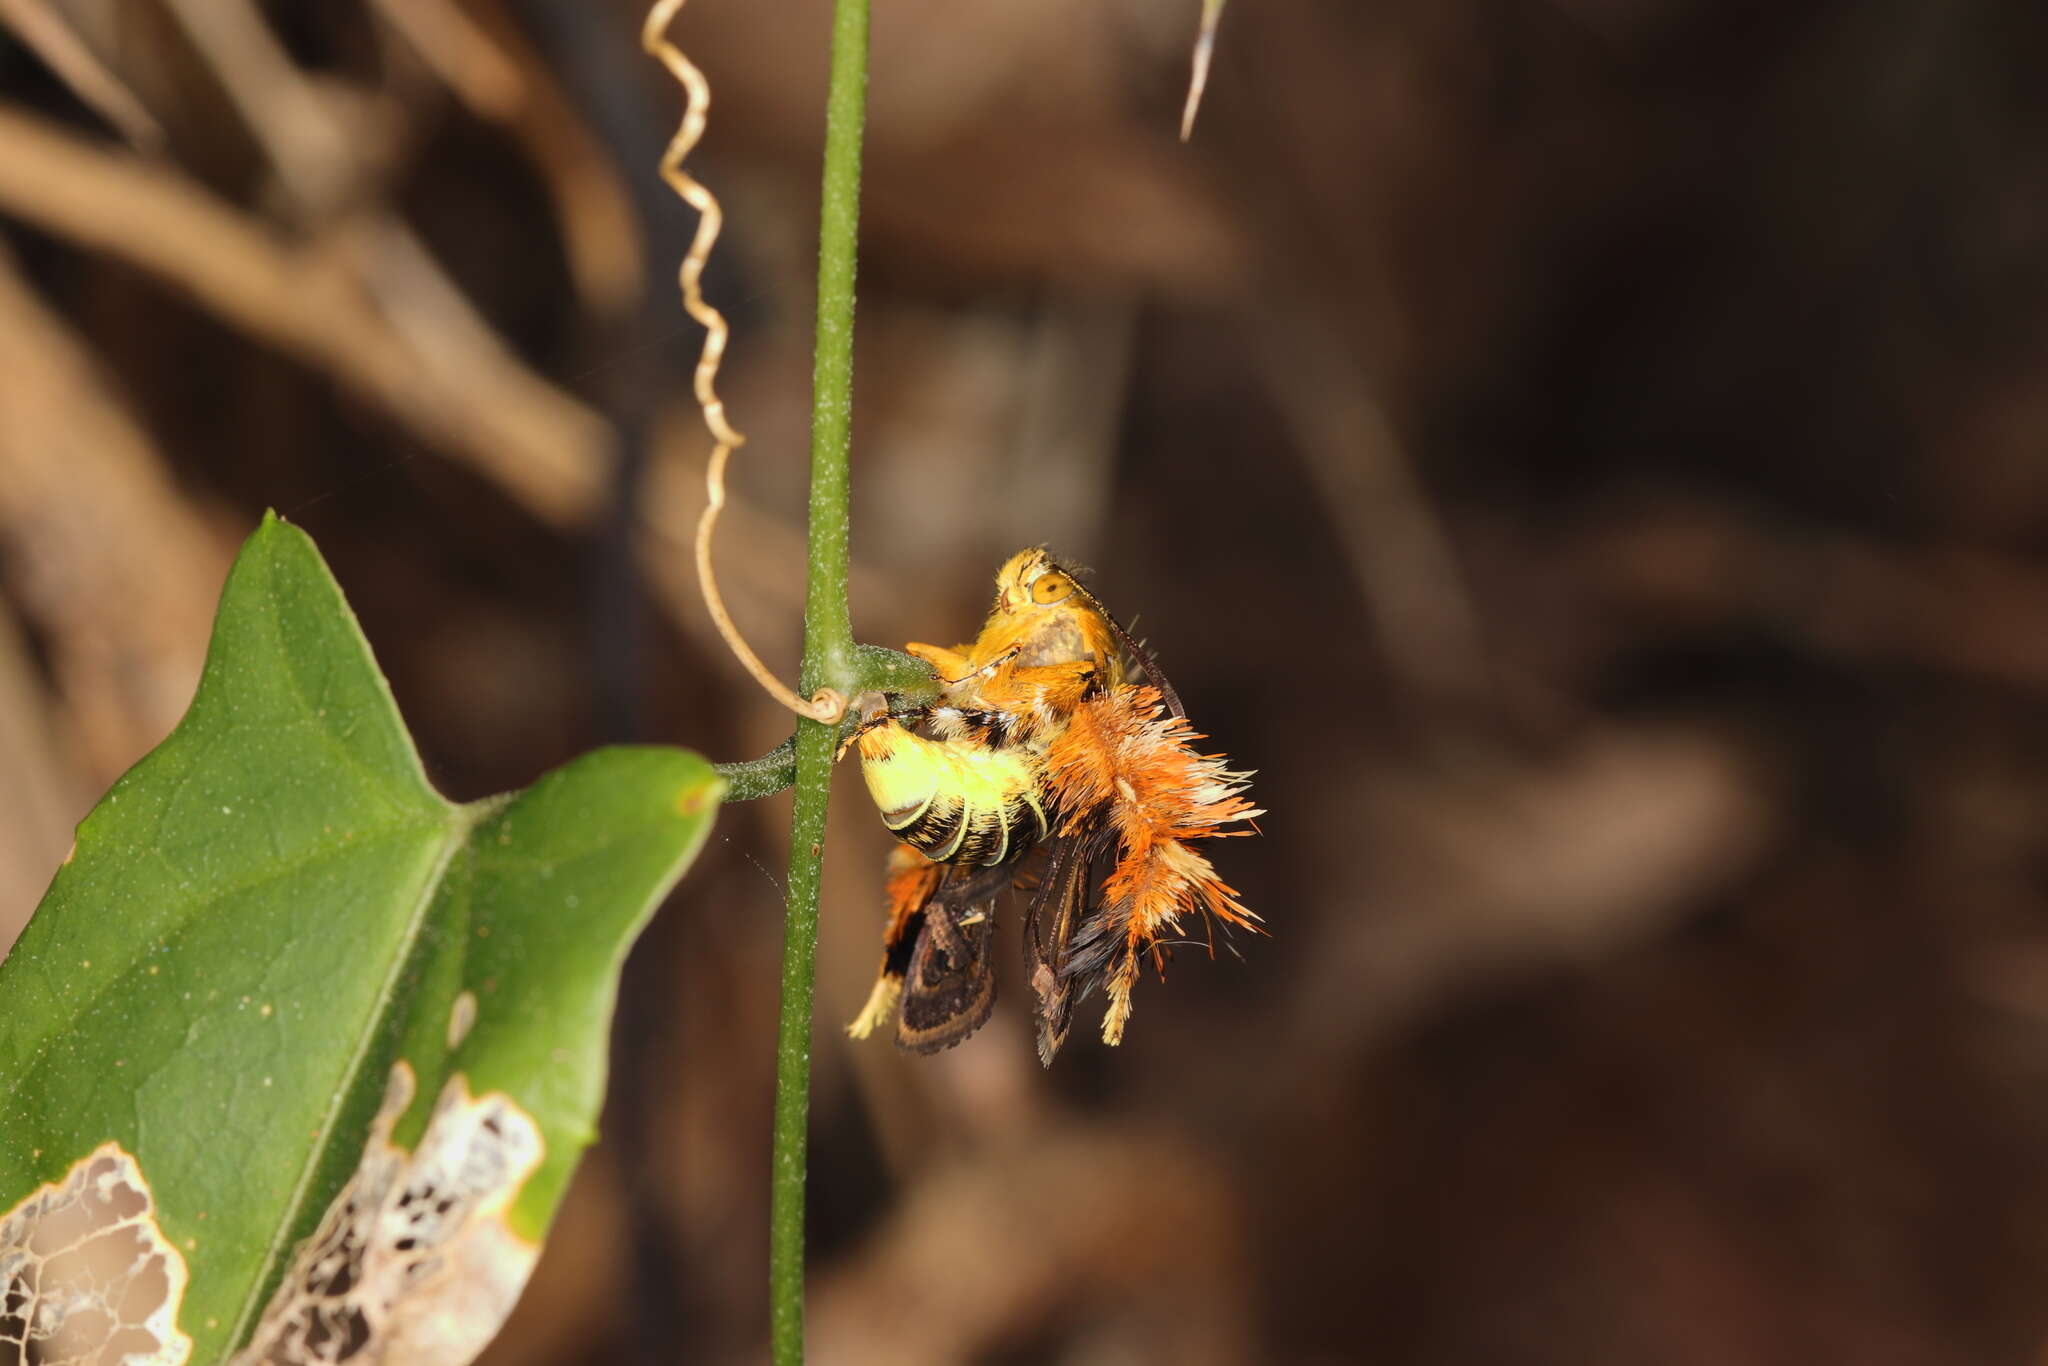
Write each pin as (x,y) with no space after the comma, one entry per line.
(814,746)
(830,660)
(828,623)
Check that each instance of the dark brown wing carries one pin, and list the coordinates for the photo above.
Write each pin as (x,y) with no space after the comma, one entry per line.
(949,983)
(1057,906)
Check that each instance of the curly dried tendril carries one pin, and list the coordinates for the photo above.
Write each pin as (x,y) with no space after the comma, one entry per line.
(826,705)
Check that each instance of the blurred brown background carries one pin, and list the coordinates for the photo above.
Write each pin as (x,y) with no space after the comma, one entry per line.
(1590,456)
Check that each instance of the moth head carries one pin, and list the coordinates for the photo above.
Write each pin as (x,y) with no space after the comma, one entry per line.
(1044,616)
(1032,578)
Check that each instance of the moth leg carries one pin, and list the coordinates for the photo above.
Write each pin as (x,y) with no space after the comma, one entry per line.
(951,665)
(1039,696)
(872,710)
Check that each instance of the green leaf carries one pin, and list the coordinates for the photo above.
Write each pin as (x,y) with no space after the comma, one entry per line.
(274,912)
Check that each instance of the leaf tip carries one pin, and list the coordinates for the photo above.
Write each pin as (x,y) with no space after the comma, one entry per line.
(702,797)
(275,535)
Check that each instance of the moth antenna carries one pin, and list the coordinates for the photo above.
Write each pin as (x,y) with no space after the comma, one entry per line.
(1148,664)
(826,705)
(989,668)
(1131,646)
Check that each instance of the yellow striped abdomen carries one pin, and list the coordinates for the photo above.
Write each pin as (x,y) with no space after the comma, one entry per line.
(954,801)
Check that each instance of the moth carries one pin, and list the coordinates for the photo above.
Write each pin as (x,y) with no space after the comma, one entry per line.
(1042,766)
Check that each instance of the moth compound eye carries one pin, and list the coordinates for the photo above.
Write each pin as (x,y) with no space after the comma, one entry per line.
(1050,588)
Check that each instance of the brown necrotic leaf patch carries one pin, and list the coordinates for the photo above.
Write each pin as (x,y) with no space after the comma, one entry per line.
(86,1276)
(413,1262)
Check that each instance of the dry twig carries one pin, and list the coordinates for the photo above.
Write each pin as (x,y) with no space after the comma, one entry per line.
(312,156)
(542,446)
(472,64)
(1198,75)
(72,59)
(1399,552)
(45,794)
(104,555)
